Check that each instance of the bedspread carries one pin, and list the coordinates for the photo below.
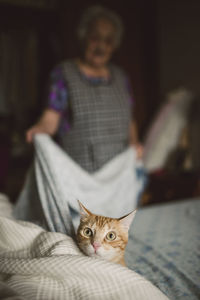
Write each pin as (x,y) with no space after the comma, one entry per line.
(164,246)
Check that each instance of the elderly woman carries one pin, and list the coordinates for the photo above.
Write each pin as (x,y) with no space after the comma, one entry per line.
(89,104)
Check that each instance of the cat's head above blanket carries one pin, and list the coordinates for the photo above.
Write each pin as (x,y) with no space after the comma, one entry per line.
(103,237)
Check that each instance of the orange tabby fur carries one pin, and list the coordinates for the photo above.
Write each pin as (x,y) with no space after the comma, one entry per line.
(99,228)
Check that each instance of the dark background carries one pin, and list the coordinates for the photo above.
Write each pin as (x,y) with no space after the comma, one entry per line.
(160,52)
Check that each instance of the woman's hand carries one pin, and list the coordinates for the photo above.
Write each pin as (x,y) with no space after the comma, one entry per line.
(37,128)
(48,123)
(139,150)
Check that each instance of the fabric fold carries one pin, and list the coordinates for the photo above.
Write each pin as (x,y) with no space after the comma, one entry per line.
(111,191)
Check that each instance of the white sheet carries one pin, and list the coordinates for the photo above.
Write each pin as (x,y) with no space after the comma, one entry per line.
(112,191)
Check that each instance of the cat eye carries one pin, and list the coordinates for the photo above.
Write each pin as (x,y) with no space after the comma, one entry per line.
(111,236)
(87,232)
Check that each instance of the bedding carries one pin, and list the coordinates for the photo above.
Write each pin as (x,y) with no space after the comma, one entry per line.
(164,247)
(36,264)
(164,133)
(56,183)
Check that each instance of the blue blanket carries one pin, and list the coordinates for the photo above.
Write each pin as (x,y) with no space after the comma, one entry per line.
(164,246)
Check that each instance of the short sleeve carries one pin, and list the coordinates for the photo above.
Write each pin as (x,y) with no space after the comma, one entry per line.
(57,98)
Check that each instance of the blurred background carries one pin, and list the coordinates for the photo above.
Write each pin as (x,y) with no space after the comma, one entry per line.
(160,53)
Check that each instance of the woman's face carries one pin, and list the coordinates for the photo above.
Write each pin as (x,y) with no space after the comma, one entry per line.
(100,43)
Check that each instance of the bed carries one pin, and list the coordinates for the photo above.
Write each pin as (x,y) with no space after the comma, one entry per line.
(162,255)
(163,247)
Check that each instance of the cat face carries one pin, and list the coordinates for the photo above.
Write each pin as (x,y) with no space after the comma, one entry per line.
(103,237)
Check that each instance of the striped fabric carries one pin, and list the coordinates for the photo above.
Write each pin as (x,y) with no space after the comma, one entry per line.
(36,264)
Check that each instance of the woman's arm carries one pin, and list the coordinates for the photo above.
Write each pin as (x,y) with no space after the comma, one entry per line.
(48,123)
(56,104)
(133,134)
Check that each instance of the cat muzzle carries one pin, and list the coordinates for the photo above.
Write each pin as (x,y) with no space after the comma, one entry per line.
(96,246)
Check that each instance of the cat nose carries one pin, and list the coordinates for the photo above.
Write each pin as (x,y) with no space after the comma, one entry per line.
(96,245)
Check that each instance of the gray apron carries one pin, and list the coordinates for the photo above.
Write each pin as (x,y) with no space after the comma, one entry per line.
(100,116)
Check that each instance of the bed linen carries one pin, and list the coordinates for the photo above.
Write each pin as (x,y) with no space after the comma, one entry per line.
(56,182)
(164,240)
(36,264)
(164,246)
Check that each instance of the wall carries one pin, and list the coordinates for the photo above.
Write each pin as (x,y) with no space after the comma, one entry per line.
(179,37)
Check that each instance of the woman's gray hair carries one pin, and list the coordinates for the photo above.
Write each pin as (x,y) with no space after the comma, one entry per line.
(96,12)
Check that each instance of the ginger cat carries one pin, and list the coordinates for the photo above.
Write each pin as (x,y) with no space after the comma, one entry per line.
(103,237)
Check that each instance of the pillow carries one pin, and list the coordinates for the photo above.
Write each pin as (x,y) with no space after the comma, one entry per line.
(164,133)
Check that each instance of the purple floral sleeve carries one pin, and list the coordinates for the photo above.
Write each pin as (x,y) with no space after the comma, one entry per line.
(57,95)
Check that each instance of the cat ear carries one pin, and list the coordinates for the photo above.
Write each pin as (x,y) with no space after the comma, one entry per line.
(84,212)
(127,220)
